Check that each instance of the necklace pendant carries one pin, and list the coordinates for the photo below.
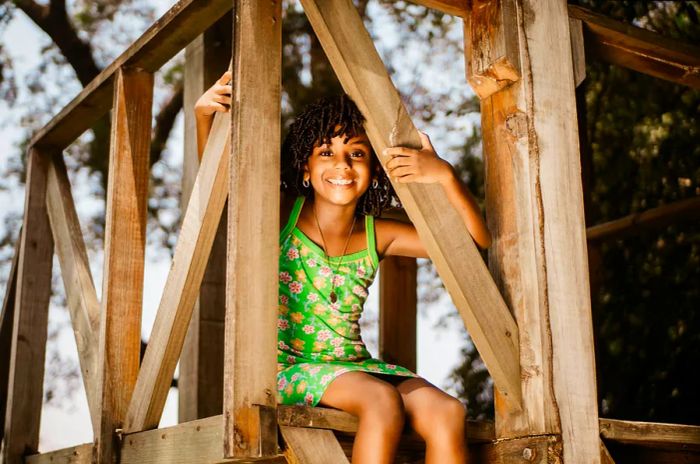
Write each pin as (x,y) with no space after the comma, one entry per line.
(334,297)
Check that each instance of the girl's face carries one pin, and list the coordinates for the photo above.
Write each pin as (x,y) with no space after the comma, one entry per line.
(340,172)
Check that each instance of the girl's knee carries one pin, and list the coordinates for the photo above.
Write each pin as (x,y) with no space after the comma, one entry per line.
(449,416)
(383,404)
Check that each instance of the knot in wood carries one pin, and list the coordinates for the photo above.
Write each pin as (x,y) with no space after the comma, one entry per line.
(516,124)
(528,454)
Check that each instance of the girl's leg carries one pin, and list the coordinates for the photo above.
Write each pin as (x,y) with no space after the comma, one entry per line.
(379,408)
(438,418)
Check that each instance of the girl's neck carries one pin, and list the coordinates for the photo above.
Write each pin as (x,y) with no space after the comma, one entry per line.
(336,219)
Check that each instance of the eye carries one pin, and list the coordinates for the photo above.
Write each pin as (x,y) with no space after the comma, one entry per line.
(325,153)
(358,154)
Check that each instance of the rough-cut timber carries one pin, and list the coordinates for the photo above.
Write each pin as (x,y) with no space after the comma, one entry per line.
(578,50)
(125,243)
(6,321)
(182,285)
(397,311)
(165,38)
(201,372)
(364,77)
(32,293)
(655,218)
(639,49)
(651,434)
(495,62)
(535,213)
(250,351)
(81,454)
(311,446)
(81,296)
(451,7)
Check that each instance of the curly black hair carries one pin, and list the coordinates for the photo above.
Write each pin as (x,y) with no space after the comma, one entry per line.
(316,125)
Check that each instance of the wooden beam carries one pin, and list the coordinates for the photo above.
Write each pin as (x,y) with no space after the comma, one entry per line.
(31,311)
(651,434)
(397,311)
(182,286)
(167,36)
(535,213)
(639,49)
(201,374)
(81,296)
(495,62)
(125,243)
(605,457)
(654,218)
(250,351)
(311,446)
(451,7)
(459,264)
(81,454)
(578,50)
(6,322)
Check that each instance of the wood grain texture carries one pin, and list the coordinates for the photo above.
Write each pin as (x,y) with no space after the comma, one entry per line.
(184,278)
(31,310)
(364,77)
(252,286)
(491,43)
(639,49)
(201,371)
(651,434)
(81,296)
(578,50)
(125,243)
(81,454)
(311,446)
(6,322)
(397,311)
(451,7)
(165,38)
(535,213)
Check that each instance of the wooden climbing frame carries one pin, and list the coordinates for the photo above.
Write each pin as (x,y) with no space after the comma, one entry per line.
(528,313)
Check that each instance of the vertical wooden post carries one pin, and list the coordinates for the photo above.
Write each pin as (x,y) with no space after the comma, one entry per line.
(250,367)
(535,210)
(201,379)
(125,240)
(31,310)
(6,322)
(397,311)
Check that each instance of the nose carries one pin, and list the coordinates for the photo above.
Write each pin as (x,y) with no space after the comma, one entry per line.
(343,162)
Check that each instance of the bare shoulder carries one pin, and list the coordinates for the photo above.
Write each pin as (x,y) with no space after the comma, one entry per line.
(397,238)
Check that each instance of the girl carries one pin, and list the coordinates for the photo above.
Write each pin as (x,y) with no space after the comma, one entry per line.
(330,248)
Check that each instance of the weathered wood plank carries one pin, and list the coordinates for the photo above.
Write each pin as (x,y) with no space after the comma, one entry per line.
(311,446)
(6,322)
(250,351)
(81,296)
(451,7)
(125,242)
(495,62)
(182,285)
(201,373)
(605,457)
(167,36)
(651,433)
(397,311)
(655,218)
(459,264)
(535,213)
(31,310)
(578,50)
(639,49)
(81,454)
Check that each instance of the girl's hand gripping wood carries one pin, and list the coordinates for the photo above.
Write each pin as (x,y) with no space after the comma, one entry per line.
(216,98)
(425,166)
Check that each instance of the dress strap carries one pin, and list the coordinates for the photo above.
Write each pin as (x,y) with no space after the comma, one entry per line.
(293,217)
(371,240)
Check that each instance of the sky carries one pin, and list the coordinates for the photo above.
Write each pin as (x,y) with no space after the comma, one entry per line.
(68,424)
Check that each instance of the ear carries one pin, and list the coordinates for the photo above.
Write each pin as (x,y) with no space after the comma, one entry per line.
(305,170)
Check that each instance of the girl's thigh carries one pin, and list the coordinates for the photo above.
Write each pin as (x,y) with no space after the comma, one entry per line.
(428,407)
(356,392)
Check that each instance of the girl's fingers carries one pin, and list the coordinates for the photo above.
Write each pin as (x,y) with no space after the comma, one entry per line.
(225,78)
(399,151)
(222,99)
(407,178)
(425,140)
(222,89)
(398,161)
(402,171)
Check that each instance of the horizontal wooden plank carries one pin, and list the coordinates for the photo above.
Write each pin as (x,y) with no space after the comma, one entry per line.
(81,454)
(452,7)
(658,217)
(311,446)
(639,49)
(651,434)
(167,36)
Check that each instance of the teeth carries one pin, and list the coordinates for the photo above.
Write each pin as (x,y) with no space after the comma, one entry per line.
(340,181)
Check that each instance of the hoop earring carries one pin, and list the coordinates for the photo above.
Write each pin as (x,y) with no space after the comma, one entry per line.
(305,183)
(375,183)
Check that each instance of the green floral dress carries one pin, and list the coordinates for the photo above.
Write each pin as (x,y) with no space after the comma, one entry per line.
(319,340)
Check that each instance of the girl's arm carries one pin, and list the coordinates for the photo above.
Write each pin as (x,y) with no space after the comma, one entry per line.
(216,98)
(425,166)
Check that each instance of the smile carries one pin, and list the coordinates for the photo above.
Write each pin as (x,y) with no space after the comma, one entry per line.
(340,181)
